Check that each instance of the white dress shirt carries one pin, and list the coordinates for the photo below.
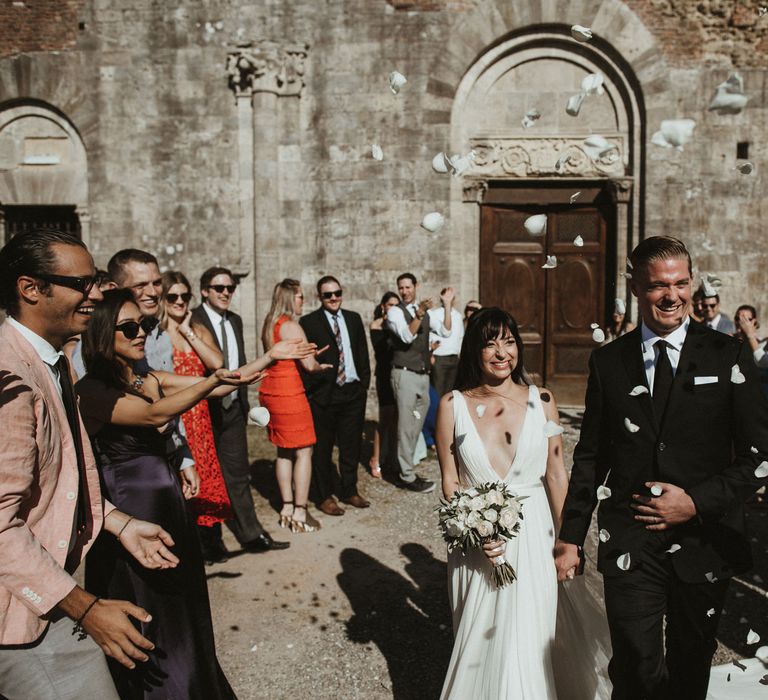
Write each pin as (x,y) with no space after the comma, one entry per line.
(231,362)
(675,342)
(48,354)
(397,323)
(450,345)
(350,370)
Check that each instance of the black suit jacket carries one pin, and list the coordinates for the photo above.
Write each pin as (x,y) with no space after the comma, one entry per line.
(319,385)
(704,445)
(200,316)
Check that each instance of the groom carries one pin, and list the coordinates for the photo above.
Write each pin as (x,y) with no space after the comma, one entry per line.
(675,425)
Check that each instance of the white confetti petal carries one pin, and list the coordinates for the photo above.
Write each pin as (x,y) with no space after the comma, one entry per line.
(440,163)
(433,221)
(536,225)
(604,535)
(711,612)
(458,163)
(745,168)
(396,81)
(170,250)
(598,335)
(656,490)
(752,637)
(594,325)
(376,152)
(593,84)
(753,450)
(629,425)
(551,263)
(259,415)
(762,10)
(603,492)
(624,561)
(639,389)
(762,470)
(619,306)
(551,429)
(710,577)
(729,97)
(674,133)
(254,647)
(574,197)
(762,654)
(581,33)
(480,410)
(736,376)
(417,415)
(562,161)
(600,148)
(707,245)
(674,548)
(573,106)
(578,242)
(530,118)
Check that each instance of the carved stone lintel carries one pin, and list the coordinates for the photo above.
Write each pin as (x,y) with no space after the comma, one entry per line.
(267,67)
(473,190)
(621,189)
(549,156)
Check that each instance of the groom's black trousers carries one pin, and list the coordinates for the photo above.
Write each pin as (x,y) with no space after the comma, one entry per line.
(636,602)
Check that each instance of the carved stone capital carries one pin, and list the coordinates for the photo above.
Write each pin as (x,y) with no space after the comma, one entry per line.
(501,157)
(473,190)
(621,189)
(267,67)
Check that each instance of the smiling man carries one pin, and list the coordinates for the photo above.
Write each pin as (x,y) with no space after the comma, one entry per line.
(673,413)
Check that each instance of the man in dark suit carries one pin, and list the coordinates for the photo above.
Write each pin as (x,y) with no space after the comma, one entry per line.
(337,397)
(229,416)
(673,443)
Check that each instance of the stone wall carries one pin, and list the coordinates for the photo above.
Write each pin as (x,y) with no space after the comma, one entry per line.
(38,25)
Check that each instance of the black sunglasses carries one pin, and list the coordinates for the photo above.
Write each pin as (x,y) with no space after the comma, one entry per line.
(79,284)
(130,329)
(330,295)
(173,298)
(219,288)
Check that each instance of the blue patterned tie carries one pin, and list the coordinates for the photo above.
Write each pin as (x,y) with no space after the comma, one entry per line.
(341,374)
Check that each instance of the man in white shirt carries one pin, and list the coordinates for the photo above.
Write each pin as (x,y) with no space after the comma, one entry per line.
(713,318)
(445,353)
(410,326)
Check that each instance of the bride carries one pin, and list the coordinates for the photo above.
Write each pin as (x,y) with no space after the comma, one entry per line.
(499,427)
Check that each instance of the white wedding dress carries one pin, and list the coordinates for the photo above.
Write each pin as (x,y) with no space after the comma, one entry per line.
(505,639)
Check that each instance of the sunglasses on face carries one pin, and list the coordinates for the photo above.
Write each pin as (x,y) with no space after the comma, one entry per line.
(219,288)
(79,284)
(130,329)
(336,294)
(173,298)
(709,306)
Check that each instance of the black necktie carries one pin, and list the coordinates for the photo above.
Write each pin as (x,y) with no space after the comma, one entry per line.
(662,380)
(73,418)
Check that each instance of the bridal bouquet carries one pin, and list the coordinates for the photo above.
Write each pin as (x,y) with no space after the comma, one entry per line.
(480,514)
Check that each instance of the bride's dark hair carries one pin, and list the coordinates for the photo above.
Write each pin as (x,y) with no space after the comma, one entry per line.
(486,325)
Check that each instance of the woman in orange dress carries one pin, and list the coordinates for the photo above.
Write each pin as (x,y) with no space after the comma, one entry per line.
(195,354)
(281,392)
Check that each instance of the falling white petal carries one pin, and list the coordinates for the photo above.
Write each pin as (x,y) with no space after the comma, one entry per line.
(376,152)
(674,133)
(745,168)
(417,415)
(674,548)
(752,637)
(630,426)
(593,84)
(551,429)
(604,535)
(599,148)
(578,242)
(762,10)
(656,490)
(598,335)
(551,263)
(624,561)
(169,250)
(594,325)
(619,306)
(710,577)
(259,415)
(629,264)
(581,33)
(736,376)
(707,246)
(762,654)
(536,225)
(480,410)
(603,492)
(433,221)
(574,197)
(753,450)
(530,118)
(710,612)
(396,81)
(729,97)
(458,163)
(762,470)
(639,389)
(626,275)
(439,163)
(573,106)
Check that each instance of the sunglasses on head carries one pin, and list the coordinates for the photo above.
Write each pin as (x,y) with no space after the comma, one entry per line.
(130,329)
(219,288)
(331,295)
(79,284)
(173,298)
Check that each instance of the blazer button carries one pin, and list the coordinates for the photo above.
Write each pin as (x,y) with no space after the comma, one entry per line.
(62,544)
(662,447)
(70,495)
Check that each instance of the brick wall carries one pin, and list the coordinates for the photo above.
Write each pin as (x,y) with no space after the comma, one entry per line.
(38,25)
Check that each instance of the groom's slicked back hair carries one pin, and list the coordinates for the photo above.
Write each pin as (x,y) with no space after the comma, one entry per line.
(486,325)
(657,248)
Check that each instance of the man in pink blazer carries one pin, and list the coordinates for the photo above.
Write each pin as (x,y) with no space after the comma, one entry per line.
(51,509)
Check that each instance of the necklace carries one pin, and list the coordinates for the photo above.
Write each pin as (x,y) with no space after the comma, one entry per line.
(138,382)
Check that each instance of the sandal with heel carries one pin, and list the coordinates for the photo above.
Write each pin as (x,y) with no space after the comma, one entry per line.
(285,520)
(308,525)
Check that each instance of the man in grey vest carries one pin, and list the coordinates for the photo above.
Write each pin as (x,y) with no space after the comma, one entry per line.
(410,325)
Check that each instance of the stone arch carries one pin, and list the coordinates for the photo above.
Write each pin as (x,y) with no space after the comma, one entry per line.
(43,160)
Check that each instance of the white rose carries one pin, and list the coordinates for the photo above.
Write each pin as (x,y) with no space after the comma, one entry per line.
(453,527)
(494,497)
(508,518)
(464,502)
(491,515)
(477,503)
(473,518)
(484,528)
(471,492)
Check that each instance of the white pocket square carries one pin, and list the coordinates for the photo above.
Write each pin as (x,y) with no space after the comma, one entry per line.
(698,381)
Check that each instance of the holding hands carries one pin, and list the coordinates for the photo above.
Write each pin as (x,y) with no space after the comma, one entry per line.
(567,560)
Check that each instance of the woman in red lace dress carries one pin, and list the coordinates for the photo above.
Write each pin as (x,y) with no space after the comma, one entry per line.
(195,353)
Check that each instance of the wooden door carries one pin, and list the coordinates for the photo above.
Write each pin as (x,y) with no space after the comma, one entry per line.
(19,218)
(554,308)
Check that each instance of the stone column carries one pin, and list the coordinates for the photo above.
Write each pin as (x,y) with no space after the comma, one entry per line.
(260,74)
(621,193)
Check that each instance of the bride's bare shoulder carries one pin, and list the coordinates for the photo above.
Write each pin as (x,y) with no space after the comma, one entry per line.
(547,400)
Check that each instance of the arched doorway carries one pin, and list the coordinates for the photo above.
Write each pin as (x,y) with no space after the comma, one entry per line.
(521,171)
(43,171)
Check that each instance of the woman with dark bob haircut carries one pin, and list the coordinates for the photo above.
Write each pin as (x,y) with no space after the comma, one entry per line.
(496,426)
(128,416)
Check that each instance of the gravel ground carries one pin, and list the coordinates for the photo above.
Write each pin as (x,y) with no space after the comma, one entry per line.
(359,609)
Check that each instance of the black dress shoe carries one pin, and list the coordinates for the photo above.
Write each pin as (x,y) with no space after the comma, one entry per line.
(263,543)
(214,553)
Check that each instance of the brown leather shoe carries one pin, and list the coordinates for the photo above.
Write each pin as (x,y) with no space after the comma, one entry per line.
(330,507)
(357,501)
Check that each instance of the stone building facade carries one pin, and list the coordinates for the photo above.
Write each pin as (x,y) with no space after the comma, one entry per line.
(240,133)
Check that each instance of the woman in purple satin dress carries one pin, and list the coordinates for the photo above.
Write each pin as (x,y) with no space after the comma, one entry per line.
(129,418)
